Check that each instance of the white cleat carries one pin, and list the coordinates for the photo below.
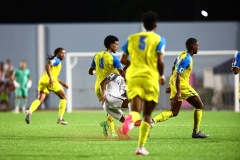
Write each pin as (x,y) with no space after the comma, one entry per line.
(142,151)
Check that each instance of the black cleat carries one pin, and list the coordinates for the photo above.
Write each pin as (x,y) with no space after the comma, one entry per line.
(27,118)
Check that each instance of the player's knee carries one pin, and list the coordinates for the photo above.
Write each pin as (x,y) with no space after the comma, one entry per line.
(200,106)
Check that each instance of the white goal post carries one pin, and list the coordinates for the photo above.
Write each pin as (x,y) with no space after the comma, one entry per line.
(72,59)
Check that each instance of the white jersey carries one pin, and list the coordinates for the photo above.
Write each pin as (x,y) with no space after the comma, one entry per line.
(117,86)
(115,95)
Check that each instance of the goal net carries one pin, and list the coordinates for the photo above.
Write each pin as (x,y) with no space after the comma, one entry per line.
(211,78)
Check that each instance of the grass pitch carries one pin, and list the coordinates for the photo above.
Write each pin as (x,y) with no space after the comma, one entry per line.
(43,138)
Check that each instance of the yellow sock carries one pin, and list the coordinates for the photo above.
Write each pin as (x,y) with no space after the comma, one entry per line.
(34,105)
(143,133)
(62,107)
(110,121)
(135,116)
(163,116)
(197,116)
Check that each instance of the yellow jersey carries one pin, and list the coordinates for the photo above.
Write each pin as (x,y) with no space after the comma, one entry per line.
(142,49)
(105,63)
(183,65)
(55,70)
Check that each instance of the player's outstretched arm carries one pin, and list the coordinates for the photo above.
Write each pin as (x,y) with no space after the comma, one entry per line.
(63,83)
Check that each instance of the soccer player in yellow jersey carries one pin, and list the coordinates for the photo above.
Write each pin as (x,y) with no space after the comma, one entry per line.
(48,82)
(180,89)
(236,69)
(104,63)
(143,54)
(236,64)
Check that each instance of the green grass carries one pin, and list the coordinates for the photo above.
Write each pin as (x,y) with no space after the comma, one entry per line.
(83,138)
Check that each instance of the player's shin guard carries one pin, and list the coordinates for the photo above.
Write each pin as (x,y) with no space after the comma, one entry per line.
(197,116)
(34,105)
(62,107)
(110,121)
(163,116)
(143,133)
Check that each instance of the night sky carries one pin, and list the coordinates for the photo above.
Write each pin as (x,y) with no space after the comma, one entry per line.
(70,11)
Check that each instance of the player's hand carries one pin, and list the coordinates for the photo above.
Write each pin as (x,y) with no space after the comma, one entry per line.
(16,84)
(103,98)
(176,97)
(29,84)
(162,80)
(168,90)
(50,82)
(65,85)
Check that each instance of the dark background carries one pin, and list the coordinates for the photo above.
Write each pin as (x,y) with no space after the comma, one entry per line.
(32,11)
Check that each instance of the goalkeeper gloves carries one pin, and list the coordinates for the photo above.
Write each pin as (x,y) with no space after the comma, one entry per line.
(29,84)
(16,84)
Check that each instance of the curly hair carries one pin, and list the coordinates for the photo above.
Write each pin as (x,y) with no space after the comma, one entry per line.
(149,20)
(109,40)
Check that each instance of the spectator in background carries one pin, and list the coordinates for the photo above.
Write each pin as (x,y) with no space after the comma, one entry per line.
(22,83)
(9,68)
(4,101)
(2,73)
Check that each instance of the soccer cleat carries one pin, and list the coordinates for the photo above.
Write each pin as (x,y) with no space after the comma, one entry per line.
(126,124)
(105,128)
(62,122)
(141,151)
(27,118)
(199,134)
(113,134)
